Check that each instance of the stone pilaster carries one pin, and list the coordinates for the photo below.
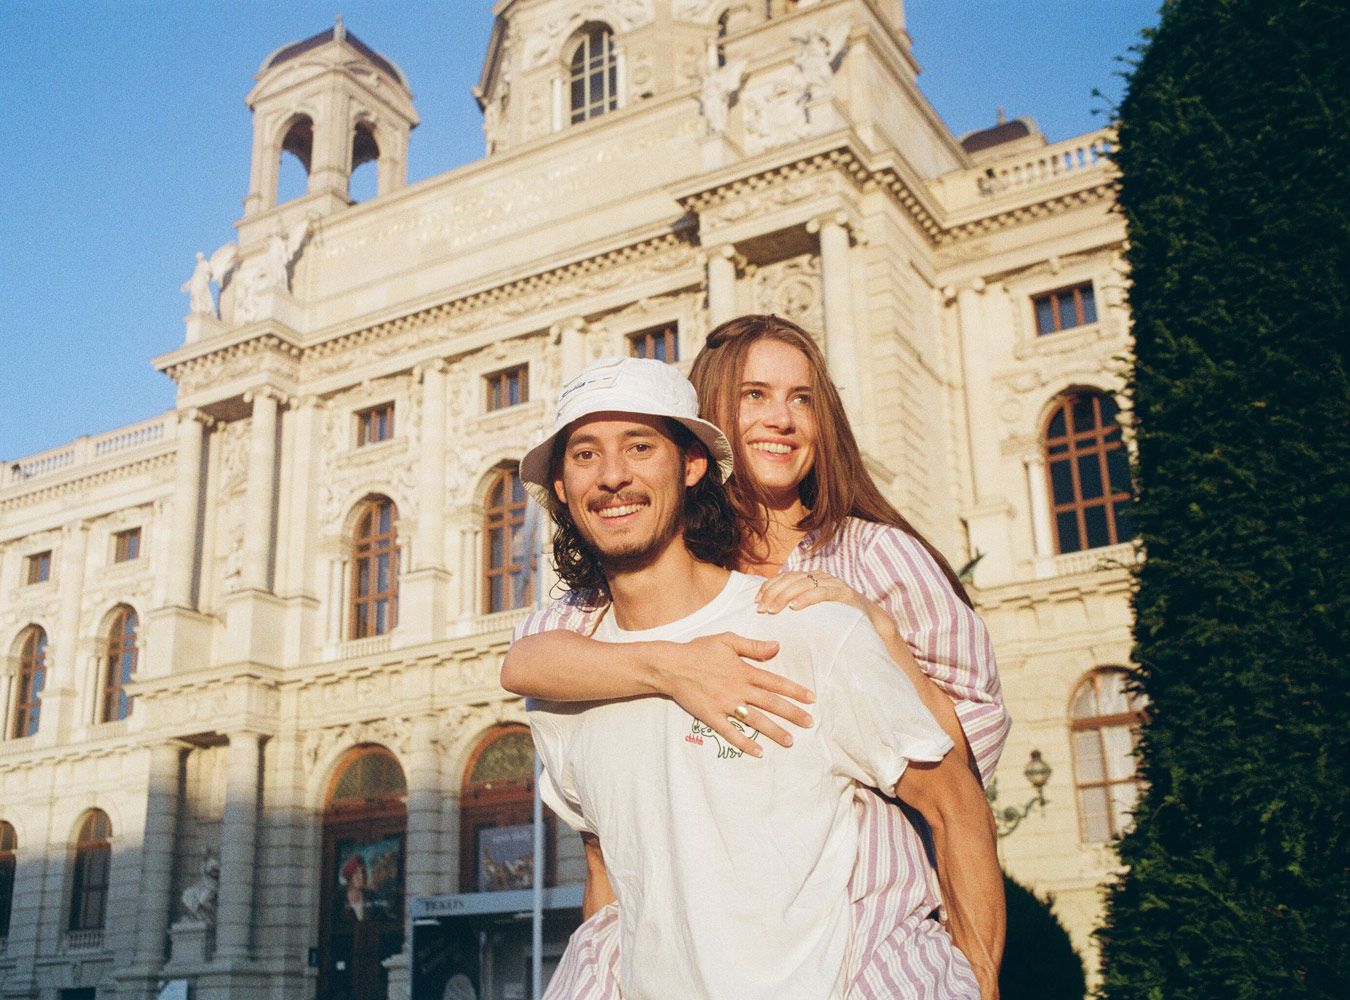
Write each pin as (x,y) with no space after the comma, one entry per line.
(238,840)
(841,336)
(721,285)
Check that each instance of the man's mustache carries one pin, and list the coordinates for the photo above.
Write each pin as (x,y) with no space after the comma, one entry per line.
(617,500)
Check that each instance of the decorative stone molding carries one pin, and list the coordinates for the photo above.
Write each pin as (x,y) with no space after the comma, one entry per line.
(323,744)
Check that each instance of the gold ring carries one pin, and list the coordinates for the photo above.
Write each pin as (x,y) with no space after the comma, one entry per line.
(812,578)
(741,712)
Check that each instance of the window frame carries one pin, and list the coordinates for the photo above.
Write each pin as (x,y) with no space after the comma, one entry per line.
(119,664)
(584,67)
(1054,298)
(666,334)
(368,549)
(32,681)
(505,518)
(375,424)
(488,805)
(93,842)
(37,567)
(1101,440)
(497,387)
(1098,724)
(127,544)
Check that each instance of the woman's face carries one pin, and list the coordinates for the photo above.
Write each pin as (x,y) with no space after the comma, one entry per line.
(777,425)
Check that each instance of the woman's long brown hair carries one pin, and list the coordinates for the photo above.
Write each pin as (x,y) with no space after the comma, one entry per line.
(838,485)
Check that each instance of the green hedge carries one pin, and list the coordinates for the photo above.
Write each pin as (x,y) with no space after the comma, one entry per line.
(1039,962)
(1233,153)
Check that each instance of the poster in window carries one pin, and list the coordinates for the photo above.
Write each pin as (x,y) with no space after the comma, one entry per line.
(505,857)
(370,880)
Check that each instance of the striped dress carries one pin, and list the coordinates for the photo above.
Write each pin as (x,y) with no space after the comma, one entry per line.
(899,950)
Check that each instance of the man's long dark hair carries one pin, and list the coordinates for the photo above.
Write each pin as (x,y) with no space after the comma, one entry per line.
(711,530)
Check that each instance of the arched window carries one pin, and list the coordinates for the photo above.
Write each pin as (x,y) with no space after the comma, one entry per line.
(1089,473)
(496,815)
(365,826)
(293,170)
(9,845)
(595,75)
(362,183)
(120,664)
(89,887)
(1104,722)
(508,557)
(375,569)
(32,679)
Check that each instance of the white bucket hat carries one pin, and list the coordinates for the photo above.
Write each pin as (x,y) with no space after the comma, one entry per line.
(624,385)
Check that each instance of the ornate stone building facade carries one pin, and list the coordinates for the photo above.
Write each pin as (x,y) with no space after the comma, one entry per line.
(249,648)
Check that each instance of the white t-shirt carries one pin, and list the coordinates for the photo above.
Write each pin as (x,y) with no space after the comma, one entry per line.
(732,872)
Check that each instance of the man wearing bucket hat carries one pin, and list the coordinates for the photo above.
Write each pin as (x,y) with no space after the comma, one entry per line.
(732,870)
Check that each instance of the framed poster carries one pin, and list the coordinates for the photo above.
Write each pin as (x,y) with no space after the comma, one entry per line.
(505,857)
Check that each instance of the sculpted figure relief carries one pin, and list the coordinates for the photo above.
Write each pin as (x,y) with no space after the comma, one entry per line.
(719,87)
(269,272)
(217,268)
(199,899)
(817,58)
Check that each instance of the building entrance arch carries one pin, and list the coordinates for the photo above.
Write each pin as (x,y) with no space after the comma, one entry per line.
(365,829)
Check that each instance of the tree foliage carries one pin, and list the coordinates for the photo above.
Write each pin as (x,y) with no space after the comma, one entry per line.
(1233,157)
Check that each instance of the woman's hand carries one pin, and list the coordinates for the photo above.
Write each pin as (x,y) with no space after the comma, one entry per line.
(708,678)
(796,590)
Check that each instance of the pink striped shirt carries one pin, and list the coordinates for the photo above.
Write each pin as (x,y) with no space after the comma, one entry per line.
(897,951)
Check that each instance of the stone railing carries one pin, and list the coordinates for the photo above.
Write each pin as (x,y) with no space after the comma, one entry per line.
(86,450)
(1048,163)
(369,646)
(1120,556)
(83,940)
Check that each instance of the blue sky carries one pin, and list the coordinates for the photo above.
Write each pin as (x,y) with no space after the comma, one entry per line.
(128,145)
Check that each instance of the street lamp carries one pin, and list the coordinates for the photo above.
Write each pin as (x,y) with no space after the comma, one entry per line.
(1037,772)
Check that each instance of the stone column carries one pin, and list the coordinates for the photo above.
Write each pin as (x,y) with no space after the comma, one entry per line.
(187,493)
(841,338)
(261,491)
(571,348)
(721,285)
(988,516)
(1037,486)
(61,660)
(238,839)
(424,808)
(430,548)
(981,423)
(154,903)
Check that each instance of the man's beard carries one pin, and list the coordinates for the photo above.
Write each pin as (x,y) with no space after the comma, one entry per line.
(639,555)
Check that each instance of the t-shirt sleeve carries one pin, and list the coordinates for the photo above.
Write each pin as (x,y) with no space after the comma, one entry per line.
(948,639)
(549,729)
(870,714)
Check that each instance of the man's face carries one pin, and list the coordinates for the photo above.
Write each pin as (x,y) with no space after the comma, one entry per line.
(623,480)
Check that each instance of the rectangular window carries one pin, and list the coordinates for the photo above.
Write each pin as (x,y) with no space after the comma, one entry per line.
(375,424)
(507,388)
(127,545)
(660,343)
(38,567)
(1064,309)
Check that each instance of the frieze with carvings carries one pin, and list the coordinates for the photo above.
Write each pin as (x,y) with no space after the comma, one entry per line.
(696,11)
(322,744)
(758,203)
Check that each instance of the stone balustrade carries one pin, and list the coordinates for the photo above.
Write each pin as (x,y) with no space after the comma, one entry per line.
(87,450)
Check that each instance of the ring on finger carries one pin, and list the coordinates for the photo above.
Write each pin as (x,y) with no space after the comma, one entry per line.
(741,712)
(812,578)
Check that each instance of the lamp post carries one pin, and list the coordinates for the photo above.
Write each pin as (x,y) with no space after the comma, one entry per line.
(1006,820)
